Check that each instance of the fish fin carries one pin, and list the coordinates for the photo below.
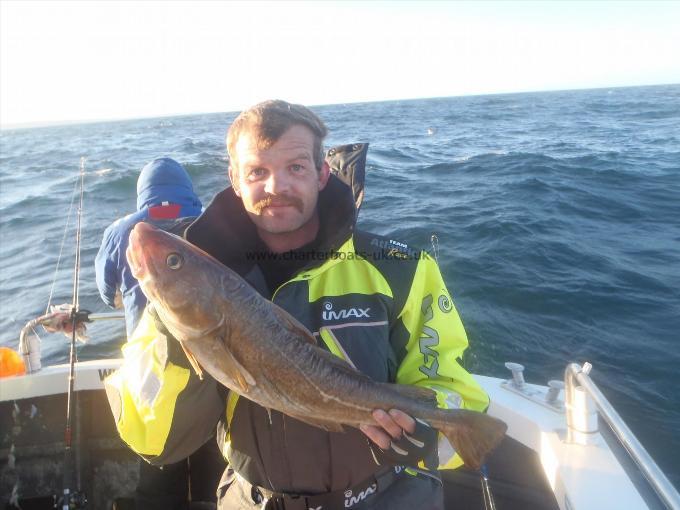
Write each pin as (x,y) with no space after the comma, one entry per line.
(419,393)
(294,325)
(473,435)
(193,361)
(328,426)
(243,377)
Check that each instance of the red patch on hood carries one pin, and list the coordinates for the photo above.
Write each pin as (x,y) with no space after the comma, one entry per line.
(164,212)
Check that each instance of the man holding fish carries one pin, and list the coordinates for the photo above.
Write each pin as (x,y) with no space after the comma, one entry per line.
(339,349)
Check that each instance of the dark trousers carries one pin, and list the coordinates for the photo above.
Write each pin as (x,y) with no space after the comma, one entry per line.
(176,486)
(407,493)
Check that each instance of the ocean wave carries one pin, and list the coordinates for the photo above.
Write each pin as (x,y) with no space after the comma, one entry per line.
(556,215)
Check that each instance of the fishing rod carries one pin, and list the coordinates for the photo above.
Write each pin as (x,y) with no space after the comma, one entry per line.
(73,498)
(487,494)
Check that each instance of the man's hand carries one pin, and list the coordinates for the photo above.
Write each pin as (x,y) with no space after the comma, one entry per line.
(392,425)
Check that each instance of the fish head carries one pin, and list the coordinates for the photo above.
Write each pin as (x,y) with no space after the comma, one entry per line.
(180,280)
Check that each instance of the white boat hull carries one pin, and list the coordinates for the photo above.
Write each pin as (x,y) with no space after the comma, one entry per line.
(535,468)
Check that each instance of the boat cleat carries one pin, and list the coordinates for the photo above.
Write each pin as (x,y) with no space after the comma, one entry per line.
(546,397)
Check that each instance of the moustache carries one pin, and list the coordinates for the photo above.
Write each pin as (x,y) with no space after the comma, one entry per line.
(270,200)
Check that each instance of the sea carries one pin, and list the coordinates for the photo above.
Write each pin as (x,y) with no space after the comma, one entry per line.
(555,217)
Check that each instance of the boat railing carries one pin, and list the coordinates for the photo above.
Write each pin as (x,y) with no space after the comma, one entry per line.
(54,321)
(103,316)
(580,414)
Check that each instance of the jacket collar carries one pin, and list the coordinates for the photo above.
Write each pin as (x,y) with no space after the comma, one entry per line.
(225,231)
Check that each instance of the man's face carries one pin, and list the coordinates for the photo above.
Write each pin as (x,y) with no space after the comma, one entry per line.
(280,185)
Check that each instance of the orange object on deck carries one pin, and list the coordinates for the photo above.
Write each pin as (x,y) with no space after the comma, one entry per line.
(11,363)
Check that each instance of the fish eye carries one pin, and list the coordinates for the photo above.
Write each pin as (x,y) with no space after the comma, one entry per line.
(174,261)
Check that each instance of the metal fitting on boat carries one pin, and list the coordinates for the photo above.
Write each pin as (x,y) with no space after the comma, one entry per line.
(555,388)
(582,426)
(29,348)
(517,374)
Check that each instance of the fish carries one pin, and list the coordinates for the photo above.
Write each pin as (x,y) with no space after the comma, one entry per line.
(258,350)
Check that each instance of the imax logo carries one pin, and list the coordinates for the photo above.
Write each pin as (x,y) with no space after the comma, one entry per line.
(329,314)
(351,500)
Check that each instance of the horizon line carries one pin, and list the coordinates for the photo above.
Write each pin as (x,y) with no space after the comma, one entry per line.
(76,122)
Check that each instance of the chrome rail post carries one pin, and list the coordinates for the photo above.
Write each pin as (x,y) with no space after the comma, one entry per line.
(580,409)
(103,316)
(657,479)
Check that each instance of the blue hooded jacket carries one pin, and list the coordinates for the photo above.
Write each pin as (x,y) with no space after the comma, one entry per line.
(164,192)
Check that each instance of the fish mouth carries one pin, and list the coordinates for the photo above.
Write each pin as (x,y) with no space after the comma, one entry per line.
(139,265)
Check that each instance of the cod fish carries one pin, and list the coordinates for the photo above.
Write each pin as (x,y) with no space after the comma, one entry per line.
(257,349)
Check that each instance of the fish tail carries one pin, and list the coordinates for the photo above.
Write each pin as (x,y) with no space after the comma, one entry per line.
(474,435)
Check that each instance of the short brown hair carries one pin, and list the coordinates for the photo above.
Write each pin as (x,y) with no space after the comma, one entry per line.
(270,119)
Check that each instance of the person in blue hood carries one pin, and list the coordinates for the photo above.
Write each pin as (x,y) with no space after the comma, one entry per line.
(166,198)
(164,195)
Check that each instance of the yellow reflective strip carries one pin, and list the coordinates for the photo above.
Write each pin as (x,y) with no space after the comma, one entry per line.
(333,345)
(342,254)
(148,391)
(454,463)
(448,458)
(146,428)
(143,333)
(231,405)
(232,400)
(355,276)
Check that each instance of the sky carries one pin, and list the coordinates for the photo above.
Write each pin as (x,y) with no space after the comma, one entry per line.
(77,61)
